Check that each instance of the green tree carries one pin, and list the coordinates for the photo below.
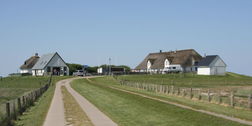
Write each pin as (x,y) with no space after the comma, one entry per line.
(73,67)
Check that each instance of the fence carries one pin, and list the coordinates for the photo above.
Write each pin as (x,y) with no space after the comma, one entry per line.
(220,97)
(14,108)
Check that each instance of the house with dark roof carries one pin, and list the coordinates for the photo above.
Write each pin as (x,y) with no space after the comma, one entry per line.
(50,64)
(165,62)
(212,65)
(26,68)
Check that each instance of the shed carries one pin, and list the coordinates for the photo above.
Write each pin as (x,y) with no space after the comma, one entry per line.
(212,65)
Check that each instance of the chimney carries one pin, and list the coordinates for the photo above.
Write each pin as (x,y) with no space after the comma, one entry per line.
(160,51)
(36,54)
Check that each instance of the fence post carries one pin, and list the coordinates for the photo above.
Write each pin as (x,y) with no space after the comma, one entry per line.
(220,98)
(19,106)
(232,99)
(24,104)
(178,93)
(14,111)
(172,90)
(208,95)
(183,91)
(200,94)
(8,112)
(250,101)
(191,93)
(168,90)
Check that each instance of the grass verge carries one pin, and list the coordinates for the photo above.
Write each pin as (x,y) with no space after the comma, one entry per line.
(75,116)
(226,110)
(131,110)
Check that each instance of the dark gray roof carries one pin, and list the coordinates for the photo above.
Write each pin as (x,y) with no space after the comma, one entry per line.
(206,61)
(43,61)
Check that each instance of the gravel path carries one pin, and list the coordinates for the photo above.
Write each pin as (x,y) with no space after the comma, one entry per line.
(56,117)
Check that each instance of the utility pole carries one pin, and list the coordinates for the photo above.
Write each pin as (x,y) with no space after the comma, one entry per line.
(109,66)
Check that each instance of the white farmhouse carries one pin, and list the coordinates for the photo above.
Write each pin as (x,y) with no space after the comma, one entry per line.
(212,65)
(173,61)
(50,64)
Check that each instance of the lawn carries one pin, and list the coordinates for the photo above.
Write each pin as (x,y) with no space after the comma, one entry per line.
(36,115)
(191,80)
(132,110)
(13,87)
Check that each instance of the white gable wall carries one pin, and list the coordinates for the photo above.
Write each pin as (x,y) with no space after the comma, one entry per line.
(56,61)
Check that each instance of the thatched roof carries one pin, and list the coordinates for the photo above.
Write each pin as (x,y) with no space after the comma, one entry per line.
(182,57)
(29,63)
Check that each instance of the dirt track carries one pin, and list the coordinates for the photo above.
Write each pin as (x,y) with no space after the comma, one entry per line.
(56,117)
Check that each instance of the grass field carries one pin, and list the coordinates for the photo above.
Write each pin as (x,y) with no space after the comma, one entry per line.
(36,115)
(191,80)
(12,87)
(131,110)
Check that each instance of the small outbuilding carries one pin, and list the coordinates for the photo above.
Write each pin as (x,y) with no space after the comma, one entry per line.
(50,64)
(212,65)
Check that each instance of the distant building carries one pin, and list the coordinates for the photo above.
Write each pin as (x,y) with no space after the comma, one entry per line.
(50,64)
(173,61)
(212,65)
(112,70)
(26,68)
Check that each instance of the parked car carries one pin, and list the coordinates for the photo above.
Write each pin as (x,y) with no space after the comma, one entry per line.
(78,73)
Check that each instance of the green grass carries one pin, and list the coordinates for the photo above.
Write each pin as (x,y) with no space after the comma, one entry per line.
(13,87)
(74,115)
(191,80)
(36,115)
(131,110)
(239,113)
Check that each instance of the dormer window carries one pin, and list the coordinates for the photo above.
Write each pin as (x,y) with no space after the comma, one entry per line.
(166,63)
(25,63)
(148,64)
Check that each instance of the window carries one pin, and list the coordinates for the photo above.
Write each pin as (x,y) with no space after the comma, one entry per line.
(148,65)
(173,67)
(166,63)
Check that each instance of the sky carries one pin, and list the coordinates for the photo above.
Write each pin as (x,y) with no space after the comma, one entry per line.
(89,32)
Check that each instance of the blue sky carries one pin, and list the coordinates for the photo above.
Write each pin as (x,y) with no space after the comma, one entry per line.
(89,32)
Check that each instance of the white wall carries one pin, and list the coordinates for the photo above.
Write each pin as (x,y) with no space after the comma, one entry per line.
(218,70)
(38,72)
(204,71)
(26,71)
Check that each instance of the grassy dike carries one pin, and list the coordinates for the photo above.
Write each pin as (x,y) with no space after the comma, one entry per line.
(36,115)
(131,110)
(226,110)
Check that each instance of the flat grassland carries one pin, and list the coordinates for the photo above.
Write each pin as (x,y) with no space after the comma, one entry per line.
(240,84)
(14,87)
(132,110)
(191,80)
